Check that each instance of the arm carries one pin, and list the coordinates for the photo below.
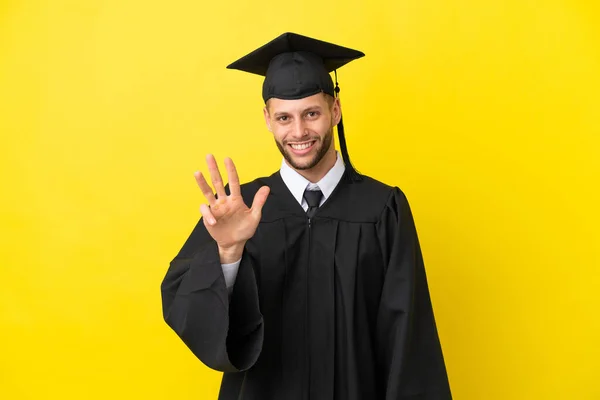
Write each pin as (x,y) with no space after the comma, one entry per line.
(409,351)
(225,334)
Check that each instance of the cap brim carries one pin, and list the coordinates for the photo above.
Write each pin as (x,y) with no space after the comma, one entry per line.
(257,62)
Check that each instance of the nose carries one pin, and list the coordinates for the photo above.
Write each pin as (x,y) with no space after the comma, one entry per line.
(299,128)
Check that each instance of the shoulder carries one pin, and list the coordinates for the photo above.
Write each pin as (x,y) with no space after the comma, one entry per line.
(366,200)
(376,190)
(389,204)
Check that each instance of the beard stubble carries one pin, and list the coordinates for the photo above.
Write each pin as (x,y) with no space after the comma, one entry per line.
(324,143)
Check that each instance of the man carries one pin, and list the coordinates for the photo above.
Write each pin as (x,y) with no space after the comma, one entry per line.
(318,289)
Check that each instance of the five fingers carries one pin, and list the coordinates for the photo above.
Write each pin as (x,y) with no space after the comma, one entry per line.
(234,185)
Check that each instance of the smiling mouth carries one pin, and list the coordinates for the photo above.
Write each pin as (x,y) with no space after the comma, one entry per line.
(302,146)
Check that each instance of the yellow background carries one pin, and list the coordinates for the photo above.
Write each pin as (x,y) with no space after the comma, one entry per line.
(486,113)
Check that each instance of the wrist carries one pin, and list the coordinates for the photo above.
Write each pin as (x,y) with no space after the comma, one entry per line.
(231,254)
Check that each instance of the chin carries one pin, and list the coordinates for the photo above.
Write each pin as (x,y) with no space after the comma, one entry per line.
(301,163)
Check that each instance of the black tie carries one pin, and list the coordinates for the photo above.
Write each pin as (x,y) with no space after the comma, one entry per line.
(313,198)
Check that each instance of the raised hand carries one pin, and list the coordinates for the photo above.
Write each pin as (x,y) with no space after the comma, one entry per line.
(226,217)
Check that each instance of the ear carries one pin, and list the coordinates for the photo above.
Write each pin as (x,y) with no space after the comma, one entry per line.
(267,118)
(336,111)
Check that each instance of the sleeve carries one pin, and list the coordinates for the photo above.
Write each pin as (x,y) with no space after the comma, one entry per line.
(409,351)
(224,331)
(230,272)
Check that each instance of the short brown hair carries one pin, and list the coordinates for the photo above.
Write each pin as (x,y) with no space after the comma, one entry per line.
(328,98)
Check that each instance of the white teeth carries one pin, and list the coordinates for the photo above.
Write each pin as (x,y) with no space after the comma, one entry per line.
(301,146)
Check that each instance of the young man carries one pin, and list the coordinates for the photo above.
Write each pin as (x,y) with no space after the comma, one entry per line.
(318,289)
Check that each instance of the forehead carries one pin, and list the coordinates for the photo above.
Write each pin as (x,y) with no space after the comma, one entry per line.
(290,106)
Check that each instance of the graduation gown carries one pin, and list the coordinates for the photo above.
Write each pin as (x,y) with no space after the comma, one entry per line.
(332,308)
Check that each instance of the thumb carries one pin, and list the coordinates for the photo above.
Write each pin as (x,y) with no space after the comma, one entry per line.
(259,200)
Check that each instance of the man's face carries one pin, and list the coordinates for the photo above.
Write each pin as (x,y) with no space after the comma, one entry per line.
(303,128)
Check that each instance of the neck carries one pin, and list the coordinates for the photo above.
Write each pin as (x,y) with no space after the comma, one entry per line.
(316,173)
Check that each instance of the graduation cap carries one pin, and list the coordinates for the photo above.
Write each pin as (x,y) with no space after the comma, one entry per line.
(297,66)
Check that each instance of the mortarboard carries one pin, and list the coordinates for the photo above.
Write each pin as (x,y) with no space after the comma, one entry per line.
(297,66)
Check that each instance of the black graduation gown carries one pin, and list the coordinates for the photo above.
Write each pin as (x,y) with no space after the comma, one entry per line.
(336,307)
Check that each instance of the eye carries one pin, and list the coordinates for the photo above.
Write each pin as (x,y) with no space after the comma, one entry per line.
(312,114)
(282,118)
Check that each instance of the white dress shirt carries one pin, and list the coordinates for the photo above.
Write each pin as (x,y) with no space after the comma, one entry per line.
(296,184)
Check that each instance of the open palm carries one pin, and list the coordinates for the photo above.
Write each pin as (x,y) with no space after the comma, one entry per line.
(226,217)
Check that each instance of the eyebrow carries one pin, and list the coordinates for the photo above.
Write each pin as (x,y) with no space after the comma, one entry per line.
(311,108)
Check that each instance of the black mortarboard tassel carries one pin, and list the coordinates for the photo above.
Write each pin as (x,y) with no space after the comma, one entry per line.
(351,173)
(296,66)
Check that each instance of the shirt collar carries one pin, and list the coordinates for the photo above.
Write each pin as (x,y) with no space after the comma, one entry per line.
(297,184)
